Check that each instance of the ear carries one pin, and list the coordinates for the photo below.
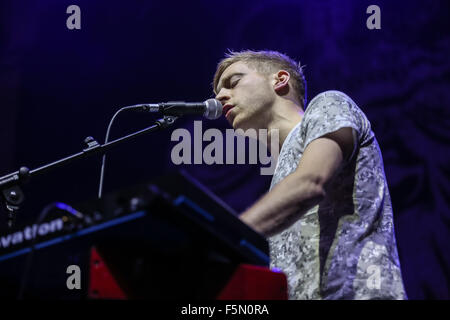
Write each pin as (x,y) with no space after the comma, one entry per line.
(281,82)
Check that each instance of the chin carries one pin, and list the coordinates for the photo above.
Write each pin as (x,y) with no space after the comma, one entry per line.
(236,123)
(241,125)
(241,122)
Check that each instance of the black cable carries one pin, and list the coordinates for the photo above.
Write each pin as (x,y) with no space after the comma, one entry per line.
(102,171)
(39,220)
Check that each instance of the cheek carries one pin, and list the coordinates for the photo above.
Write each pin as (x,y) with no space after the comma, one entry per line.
(258,96)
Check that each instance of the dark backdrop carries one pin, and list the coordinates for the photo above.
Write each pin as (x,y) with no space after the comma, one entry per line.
(58,86)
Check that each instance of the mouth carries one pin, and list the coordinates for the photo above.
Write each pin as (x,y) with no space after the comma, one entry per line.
(226,109)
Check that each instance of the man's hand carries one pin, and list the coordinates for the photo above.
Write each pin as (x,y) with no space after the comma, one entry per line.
(305,187)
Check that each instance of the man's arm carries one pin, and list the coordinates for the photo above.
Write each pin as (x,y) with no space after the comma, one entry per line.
(305,187)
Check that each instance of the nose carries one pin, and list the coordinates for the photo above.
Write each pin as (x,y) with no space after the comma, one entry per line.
(223,96)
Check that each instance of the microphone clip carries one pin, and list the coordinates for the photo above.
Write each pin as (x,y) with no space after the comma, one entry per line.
(166,121)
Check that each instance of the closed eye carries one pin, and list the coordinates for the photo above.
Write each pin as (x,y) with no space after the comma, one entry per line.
(235,82)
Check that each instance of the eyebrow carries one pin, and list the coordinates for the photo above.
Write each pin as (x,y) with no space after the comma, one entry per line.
(227,78)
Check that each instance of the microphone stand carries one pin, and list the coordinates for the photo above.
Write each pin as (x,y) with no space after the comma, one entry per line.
(11,194)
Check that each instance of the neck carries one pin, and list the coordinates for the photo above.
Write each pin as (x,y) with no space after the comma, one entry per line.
(286,115)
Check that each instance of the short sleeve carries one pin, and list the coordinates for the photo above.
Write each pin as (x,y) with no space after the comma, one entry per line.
(329,112)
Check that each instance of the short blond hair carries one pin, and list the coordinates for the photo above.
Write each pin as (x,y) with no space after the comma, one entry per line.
(266,62)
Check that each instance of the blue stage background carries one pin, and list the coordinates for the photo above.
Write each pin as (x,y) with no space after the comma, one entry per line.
(58,86)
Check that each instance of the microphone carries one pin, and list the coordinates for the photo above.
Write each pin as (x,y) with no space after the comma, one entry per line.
(210,109)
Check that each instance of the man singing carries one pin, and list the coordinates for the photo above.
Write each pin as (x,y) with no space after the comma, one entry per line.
(328,215)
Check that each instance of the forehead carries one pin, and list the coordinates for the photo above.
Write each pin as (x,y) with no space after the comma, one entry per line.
(237,67)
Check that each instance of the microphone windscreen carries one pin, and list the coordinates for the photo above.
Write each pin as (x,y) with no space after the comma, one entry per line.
(213,109)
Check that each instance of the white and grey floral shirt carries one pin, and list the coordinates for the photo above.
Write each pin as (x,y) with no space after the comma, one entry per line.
(343,248)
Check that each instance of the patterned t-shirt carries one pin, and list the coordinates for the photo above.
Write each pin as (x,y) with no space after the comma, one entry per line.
(344,247)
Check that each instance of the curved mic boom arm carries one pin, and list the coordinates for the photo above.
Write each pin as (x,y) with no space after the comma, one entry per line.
(10,185)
